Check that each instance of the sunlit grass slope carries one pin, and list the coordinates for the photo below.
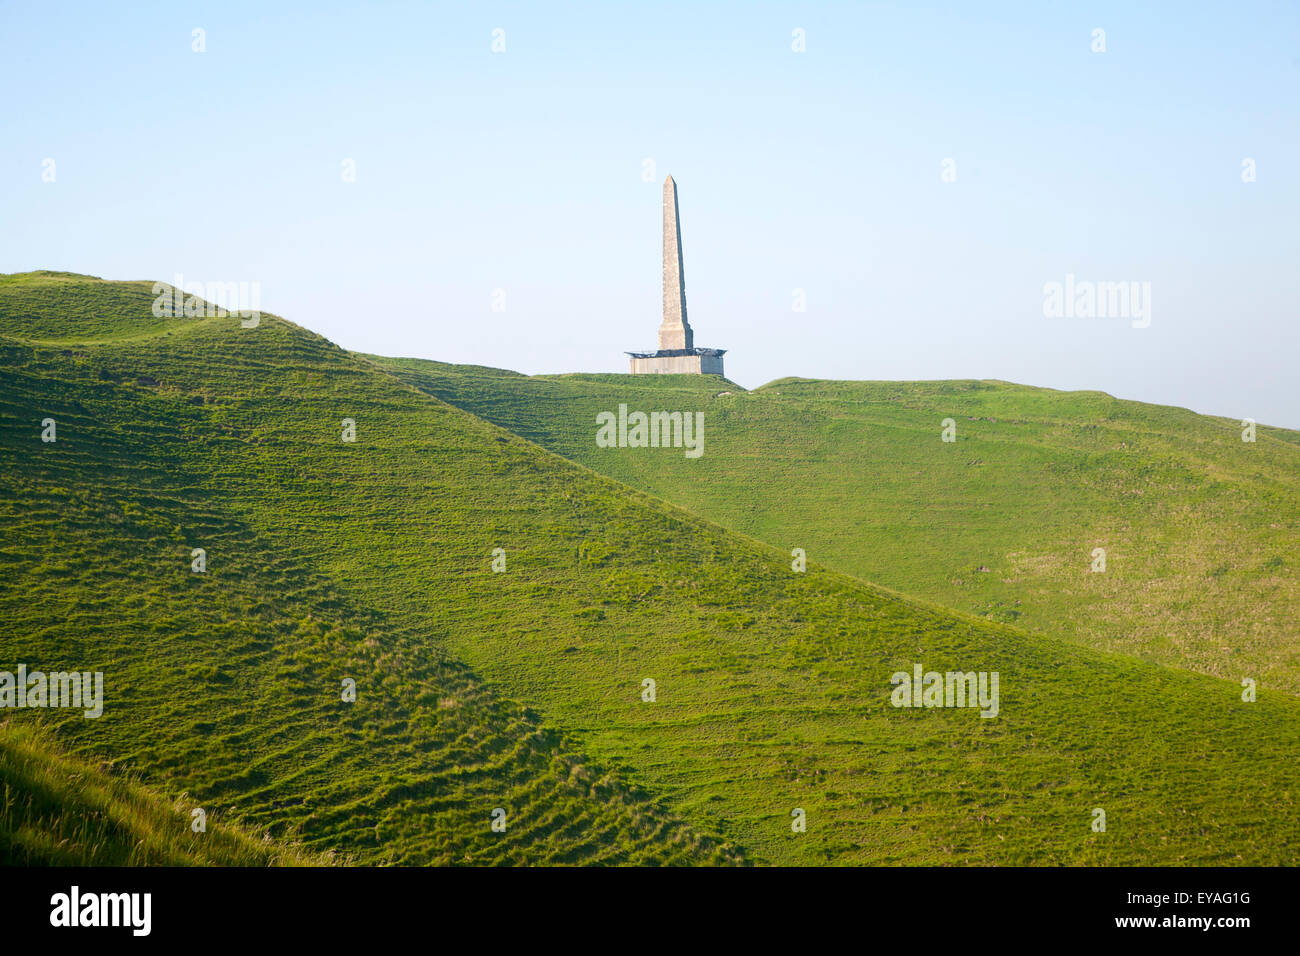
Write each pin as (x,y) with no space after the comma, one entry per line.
(329,558)
(228,684)
(1201,530)
(57,810)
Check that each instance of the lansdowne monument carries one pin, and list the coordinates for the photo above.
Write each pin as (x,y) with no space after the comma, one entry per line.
(677,352)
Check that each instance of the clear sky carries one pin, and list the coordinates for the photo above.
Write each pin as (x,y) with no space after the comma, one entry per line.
(822,171)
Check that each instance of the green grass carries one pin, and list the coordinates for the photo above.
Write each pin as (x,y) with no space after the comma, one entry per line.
(62,307)
(522,690)
(1201,529)
(57,810)
(227,684)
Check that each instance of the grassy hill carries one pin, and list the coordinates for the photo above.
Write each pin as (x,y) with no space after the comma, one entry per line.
(1201,530)
(523,689)
(57,810)
(228,684)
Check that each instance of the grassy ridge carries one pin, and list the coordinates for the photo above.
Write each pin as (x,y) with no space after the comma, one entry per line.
(57,810)
(58,307)
(227,684)
(1201,529)
(772,687)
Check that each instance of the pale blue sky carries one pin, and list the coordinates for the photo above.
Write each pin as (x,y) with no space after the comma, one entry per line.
(819,171)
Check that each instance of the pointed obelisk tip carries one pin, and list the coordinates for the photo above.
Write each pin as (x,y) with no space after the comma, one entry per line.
(670,180)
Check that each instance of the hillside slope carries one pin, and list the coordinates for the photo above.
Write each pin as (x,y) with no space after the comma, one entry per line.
(56,810)
(1201,530)
(228,684)
(374,557)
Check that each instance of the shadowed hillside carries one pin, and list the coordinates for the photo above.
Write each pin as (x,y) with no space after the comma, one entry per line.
(524,689)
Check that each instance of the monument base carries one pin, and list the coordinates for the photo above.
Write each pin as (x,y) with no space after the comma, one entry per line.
(677,362)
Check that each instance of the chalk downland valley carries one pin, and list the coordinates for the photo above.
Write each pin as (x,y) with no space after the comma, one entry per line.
(521,691)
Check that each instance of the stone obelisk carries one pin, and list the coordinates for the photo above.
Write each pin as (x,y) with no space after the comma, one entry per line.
(675,332)
(677,354)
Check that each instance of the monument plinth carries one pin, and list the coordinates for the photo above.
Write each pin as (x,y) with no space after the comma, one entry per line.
(677,353)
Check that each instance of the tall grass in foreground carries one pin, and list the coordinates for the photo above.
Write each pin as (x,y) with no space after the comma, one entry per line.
(56,810)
